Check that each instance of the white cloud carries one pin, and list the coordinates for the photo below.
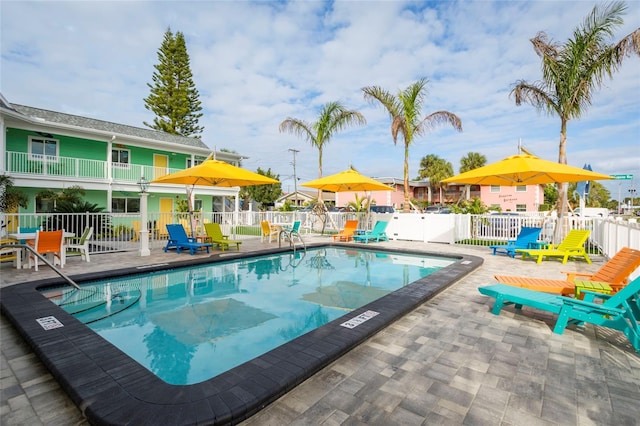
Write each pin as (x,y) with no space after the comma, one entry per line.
(256,63)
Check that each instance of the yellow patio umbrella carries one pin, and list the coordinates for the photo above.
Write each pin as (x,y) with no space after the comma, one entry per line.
(348,180)
(214,173)
(522,169)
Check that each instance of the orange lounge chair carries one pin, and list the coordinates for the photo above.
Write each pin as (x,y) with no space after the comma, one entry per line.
(346,234)
(615,273)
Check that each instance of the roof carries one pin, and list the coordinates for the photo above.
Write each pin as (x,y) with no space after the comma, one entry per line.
(307,196)
(400,181)
(43,115)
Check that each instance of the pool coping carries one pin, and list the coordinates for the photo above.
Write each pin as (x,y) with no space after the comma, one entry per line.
(111,388)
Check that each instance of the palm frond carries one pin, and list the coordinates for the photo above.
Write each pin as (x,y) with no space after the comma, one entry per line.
(438,118)
(299,128)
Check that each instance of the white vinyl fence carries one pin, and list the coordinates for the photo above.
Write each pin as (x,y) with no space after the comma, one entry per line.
(120,232)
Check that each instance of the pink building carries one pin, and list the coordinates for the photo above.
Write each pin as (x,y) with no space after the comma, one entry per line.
(513,198)
(507,198)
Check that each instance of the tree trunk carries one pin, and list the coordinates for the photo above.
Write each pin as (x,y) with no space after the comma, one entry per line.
(406,207)
(561,206)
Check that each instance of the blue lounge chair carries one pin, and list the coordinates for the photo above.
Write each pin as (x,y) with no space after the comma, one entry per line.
(179,240)
(377,233)
(620,311)
(525,238)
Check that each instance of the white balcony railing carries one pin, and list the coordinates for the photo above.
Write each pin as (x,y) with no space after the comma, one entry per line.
(81,169)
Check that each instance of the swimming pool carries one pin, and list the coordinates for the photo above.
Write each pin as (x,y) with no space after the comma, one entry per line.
(110,387)
(176,322)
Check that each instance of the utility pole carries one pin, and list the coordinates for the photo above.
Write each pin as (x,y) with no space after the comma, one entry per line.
(295,179)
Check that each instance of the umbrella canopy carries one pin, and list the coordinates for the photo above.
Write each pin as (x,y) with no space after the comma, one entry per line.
(348,180)
(519,170)
(215,173)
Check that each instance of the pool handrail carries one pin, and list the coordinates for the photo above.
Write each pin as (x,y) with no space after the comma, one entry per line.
(41,257)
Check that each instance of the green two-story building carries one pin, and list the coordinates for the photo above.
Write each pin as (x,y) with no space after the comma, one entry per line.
(42,149)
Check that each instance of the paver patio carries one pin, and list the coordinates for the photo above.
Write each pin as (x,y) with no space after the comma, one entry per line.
(448,362)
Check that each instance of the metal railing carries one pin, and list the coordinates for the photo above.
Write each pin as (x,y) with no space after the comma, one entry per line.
(22,163)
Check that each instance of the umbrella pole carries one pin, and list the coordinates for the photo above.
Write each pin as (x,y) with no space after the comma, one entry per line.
(189,205)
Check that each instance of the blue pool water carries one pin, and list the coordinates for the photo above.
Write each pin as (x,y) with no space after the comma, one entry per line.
(188,325)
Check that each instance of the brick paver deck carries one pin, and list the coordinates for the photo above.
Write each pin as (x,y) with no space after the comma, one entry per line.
(448,362)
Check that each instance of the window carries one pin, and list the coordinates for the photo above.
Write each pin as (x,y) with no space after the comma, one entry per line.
(195,162)
(125,205)
(40,147)
(521,207)
(45,205)
(495,188)
(521,188)
(197,205)
(120,156)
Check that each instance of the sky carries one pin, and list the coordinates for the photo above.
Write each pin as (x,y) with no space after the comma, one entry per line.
(257,63)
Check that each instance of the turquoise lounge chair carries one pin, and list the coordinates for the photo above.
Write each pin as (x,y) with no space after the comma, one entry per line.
(620,311)
(179,240)
(525,238)
(292,231)
(377,233)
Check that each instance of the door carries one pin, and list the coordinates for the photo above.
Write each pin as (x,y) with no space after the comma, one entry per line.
(165,216)
(160,165)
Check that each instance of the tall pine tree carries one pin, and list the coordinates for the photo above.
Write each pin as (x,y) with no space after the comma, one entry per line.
(174,97)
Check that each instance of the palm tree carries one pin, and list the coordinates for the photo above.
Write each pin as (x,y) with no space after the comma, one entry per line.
(333,117)
(405,111)
(572,71)
(435,169)
(472,161)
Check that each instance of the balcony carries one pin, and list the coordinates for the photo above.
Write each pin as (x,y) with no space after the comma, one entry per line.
(22,164)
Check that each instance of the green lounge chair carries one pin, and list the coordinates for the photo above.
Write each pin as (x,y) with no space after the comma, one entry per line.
(571,246)
(620,311)
(524,239)
(377,233)
(179,240)
(214,232)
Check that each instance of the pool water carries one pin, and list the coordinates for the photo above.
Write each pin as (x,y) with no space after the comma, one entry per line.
(190,324)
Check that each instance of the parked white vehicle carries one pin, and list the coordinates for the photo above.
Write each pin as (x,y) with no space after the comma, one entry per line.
(591,212)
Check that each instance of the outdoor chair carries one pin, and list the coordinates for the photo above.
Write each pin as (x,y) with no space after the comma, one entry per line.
(378,233)
(268,231)
(620,311)
(347,233)
(136,225)
(7,252)
(22,230)
(613,276)
(80,245)
(571,246)
(179,240)
(214,232)
(525,238)
(290,232)
(50,244)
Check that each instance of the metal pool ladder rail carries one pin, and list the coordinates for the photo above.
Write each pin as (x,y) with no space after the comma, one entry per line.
(32,250)
(289,235)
